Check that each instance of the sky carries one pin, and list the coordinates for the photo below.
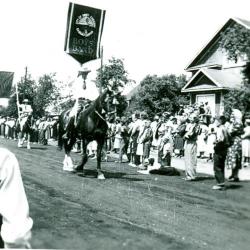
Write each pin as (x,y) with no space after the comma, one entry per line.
(153,37)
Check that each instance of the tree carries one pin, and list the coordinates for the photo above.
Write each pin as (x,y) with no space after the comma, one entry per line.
(46,94)
(26,90)
(159,94)
(40,95)
(113,72)
(239,99)
(236,42)
(115,76)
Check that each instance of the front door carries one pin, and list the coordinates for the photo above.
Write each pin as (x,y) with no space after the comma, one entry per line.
(210,98)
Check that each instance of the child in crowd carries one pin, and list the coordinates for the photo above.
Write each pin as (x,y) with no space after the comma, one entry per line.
(166,152)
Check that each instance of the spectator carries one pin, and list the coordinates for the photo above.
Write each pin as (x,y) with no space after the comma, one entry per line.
(202,139)
(192,132)
(166,152)
(118,137)
(124,139)
(153,128)
(14,209)
(220,153)
(211,138)
(246,144)
(179,141)
(142,130)
(146,140)
(134,133)
(234,155)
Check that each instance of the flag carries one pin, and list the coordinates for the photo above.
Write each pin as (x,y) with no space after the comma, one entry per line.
(84,31)
(6,80)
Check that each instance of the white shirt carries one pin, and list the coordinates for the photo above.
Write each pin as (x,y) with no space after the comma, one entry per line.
(14,208)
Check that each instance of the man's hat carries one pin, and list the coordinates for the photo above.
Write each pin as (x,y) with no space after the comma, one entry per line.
(25,100)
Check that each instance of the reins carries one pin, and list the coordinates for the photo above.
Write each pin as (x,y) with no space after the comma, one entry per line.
(100,115)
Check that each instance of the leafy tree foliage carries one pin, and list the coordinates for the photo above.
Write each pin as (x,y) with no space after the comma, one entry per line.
(115,76)
(113,73)
(46,94)
(40,95)
(236,41)
(239,99)
(159,94)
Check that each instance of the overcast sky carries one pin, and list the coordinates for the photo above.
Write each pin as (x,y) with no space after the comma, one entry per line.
(153,37)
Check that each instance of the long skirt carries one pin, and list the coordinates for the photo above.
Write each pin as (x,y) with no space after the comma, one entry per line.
(234,154)
(190,159)
(246,148)
(210,144)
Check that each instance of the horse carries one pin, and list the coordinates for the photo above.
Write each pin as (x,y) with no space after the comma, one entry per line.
(90,125)
(24,131)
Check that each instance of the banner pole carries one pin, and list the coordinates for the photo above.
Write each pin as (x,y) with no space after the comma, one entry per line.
(100,87)
(17,102)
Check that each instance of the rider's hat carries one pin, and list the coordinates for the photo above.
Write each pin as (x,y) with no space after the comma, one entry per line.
(26,100)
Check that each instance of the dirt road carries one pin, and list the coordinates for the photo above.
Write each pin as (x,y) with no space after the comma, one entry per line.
(128,210)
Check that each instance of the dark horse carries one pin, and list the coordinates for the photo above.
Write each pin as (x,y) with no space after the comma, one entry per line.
(90,125)
(24,130)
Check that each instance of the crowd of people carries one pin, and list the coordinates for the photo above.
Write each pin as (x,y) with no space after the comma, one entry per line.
(43,129)
(190,134)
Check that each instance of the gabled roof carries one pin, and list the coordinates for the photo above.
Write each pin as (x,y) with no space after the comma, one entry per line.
(213,79)
(215,39)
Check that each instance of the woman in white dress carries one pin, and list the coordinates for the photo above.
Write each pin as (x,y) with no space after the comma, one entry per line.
(201,140)
(211,138)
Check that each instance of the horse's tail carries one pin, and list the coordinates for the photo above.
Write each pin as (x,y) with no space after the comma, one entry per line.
(60,133)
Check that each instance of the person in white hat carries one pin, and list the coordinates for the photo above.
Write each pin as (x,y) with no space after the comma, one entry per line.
(25,110)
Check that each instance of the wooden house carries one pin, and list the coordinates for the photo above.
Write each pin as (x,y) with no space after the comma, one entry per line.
(212,73)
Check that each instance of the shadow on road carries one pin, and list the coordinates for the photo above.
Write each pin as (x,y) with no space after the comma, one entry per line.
(91,173)
(234,186)
(204,178)
(39,148)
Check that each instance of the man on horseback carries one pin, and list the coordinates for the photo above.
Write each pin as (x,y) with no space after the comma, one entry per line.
(25,112)
(80,104)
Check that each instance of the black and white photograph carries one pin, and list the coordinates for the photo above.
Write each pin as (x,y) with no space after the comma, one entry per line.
(125,124)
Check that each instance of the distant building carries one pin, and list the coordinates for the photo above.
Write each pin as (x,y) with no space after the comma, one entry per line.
(131,93)
(212,73)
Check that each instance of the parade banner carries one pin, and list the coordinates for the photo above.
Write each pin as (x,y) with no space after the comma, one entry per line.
(84,31)
(6,80)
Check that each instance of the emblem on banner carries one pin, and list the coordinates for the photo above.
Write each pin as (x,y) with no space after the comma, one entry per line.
(85,25)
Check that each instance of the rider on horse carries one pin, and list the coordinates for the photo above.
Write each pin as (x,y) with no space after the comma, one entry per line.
(24,122)
(80,104)
(25,110)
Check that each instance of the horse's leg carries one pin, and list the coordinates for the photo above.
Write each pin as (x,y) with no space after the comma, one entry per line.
(84,159)
(20,139)
(28,140)
(100,174)
(68,163)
